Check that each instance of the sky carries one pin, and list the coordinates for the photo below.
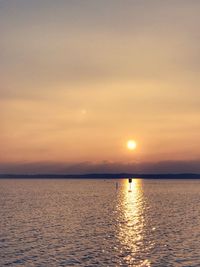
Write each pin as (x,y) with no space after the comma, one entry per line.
(81,78)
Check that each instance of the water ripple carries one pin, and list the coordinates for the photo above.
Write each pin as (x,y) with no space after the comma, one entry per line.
(90,223)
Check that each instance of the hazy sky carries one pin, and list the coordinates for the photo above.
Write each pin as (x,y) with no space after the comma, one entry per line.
(81,77)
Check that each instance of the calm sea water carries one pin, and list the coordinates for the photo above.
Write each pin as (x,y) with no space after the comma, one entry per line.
(91,223)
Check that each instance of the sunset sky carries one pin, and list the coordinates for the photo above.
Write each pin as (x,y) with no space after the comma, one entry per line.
(79,78)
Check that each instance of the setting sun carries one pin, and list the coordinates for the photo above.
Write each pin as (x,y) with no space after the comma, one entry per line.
(131,145)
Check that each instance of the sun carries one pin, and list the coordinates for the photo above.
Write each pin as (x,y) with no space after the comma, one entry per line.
(131,144)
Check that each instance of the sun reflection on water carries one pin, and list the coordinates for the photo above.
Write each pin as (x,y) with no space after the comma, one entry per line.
(131,223)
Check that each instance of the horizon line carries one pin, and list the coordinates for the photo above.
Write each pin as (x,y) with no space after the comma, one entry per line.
(101,175)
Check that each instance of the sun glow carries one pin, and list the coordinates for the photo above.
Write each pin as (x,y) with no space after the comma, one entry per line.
(131,144)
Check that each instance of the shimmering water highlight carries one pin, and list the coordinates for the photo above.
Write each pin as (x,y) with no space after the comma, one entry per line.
(93,223)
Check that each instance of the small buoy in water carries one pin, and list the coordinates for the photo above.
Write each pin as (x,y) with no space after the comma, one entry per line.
(116,185)
(130,181)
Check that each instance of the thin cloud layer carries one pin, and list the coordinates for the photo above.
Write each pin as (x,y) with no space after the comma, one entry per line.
(102,167)
(132,66)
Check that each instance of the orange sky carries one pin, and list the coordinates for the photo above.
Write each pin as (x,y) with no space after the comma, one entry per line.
(80,78)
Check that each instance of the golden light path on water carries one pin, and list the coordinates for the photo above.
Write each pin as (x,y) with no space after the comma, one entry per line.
(131,229)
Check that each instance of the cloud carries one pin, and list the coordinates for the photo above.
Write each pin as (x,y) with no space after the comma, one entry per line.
(132,65)
(101,167)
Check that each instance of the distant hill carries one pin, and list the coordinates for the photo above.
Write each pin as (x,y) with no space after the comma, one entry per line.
(101,176)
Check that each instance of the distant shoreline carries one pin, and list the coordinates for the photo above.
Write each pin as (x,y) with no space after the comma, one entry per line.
(101,176)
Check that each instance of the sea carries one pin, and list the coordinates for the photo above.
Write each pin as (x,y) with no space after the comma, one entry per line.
(91,222)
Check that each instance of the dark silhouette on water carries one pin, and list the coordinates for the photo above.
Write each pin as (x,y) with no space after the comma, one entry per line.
(117,185)
(130,182)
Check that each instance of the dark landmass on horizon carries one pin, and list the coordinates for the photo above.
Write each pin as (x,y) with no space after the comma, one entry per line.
(101,176)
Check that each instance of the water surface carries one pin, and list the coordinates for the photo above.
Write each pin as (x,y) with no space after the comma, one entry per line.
(91,223)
